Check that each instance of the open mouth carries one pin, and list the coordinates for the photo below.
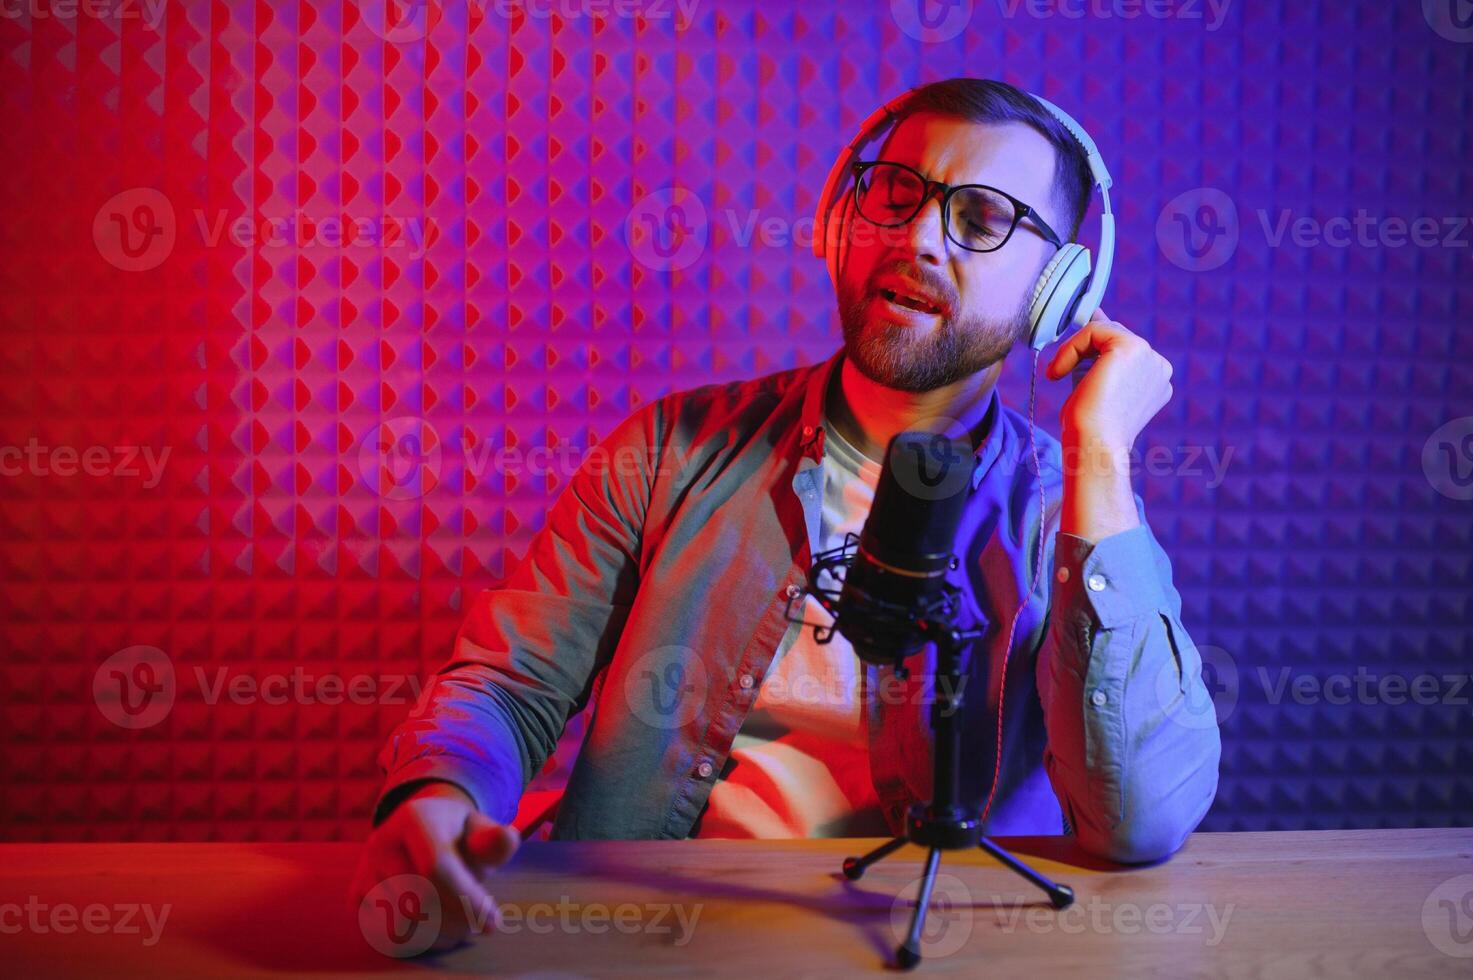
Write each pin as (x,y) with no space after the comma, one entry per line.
(909,302)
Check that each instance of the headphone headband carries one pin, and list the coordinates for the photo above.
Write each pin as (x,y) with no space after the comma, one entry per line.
(1097,168)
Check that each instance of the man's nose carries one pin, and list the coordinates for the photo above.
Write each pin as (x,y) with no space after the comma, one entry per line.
(925,234)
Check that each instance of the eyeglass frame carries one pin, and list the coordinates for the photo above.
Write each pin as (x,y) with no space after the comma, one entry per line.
(1021,210)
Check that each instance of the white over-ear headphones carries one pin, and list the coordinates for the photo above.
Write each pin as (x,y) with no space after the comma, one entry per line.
(1065,294)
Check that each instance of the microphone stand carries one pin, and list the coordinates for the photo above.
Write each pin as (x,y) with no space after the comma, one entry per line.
(945,823)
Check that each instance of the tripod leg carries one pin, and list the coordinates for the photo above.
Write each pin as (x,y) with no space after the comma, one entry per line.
(909,953)
(1061,895)
(854,867)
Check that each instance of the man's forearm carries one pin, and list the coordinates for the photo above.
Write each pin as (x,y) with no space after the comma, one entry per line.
(1131,754)
(460,735)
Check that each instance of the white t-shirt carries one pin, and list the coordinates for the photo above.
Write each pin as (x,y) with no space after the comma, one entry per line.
(799,767)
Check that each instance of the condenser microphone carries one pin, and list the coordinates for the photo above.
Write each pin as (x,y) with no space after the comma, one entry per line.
(895,590)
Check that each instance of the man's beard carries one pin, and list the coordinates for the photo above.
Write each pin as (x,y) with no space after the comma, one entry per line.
(906,359)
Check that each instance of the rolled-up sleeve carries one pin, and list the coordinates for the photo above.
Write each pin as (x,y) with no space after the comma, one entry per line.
(528,650)
(1133,744)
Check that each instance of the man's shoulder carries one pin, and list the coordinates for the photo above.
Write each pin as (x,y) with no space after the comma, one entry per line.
(736,403)
(772,385)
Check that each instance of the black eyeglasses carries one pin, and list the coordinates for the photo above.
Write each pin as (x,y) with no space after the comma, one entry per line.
(976,217)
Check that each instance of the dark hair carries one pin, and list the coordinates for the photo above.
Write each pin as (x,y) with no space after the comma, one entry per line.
(988,101)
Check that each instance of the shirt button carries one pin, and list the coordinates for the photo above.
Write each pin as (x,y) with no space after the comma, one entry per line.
(1096,583)
(1098,699)
(807,431)
(1063,575)
(704,770)
(793,592)
(746,682)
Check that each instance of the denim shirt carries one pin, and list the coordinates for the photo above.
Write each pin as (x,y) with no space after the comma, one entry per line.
(657,590)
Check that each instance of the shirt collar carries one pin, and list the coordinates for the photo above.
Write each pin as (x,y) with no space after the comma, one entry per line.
(813,420)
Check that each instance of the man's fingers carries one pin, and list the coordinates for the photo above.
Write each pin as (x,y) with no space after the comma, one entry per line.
(1096,337)
(1071,351)
(461,895)
(466,900)
(383,858)
(489,843)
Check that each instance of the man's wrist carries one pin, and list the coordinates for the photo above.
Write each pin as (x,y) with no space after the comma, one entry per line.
(1098,499)
(1088,453)
(442,789)
(423,789)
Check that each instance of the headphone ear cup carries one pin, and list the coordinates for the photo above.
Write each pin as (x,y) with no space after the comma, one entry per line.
(1056,293)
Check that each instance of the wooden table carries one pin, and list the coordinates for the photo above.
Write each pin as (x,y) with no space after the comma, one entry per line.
(1384,904)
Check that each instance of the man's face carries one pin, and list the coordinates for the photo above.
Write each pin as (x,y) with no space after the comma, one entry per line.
(983,297)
